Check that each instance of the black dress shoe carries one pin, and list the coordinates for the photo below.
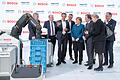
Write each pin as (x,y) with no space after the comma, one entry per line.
(98,69)
(64,62)
(90,67)
(105,64)
(86,61)
(71,59)
(58,63)
(86,64)
(75,62)
(80,63)
(93,61)
(110,66)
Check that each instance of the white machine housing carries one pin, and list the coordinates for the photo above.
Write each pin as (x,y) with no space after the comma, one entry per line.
(8,40)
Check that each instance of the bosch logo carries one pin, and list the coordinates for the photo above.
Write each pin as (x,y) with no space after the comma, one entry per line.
(71,4)
(85,12)
(11,21)
(114,13)
(99,5)
(43,4)
(24,32)
(56,12)
(25,11)
(42,21)
(12,3)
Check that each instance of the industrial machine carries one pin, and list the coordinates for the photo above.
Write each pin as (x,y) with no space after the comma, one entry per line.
(19,70)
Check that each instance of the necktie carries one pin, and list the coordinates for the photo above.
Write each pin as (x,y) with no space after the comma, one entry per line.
(52,28)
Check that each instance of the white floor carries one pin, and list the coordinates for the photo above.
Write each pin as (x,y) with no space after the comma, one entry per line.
(79,72)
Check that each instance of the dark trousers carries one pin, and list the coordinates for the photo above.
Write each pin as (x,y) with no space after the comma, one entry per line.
(21,47)
(78,47)
(62,48)
(53,41)
(90,51)
(70,45)
(109,50)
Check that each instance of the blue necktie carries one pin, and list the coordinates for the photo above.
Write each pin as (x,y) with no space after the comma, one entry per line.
(52,28)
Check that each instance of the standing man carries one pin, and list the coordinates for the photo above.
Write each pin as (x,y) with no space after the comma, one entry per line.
(52,30)
(109,22)
(89,41)
(32,30)
(71,23)
(62,36)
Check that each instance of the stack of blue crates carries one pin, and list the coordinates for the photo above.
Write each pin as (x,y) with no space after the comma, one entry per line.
(38,48)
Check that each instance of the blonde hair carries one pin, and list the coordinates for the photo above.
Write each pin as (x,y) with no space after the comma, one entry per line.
(95,16)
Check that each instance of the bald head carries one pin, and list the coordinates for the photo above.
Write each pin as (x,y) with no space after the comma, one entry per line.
(51,17)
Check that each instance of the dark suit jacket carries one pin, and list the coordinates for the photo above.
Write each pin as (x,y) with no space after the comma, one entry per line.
(60,29)
(47,25)
(88,27)
(72,23)
(111,24)
(98,31)
(32,31)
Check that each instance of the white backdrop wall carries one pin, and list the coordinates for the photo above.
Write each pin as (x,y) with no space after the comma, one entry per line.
(12,10)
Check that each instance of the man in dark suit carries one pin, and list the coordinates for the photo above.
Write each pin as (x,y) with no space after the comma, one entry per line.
(62,36)
(89,41)
(52,30)
(32,30)
(71,23)
(109,22)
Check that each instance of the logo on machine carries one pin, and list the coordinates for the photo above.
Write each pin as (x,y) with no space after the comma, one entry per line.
(12,3)
(85,12)
(83,5)
(71,4)
(43,4)
(99,5)
(26,11)
(54,4)
(25,3)
(9,11)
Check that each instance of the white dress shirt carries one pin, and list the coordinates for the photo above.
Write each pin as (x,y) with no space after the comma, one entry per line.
(64,26)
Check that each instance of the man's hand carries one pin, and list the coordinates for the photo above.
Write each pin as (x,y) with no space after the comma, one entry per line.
(83,37)
(86,32)
(73,39)
(105,20)
(33,37)
(65,29)
(77,39)
(58,24)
